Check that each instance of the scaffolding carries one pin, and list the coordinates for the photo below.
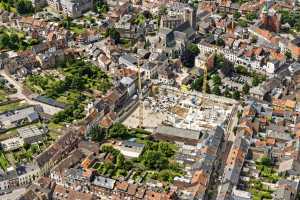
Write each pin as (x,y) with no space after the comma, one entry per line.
(141,104)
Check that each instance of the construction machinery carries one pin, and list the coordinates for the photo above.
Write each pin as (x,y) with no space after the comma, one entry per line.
(141,103)
(205,75)
(203,65)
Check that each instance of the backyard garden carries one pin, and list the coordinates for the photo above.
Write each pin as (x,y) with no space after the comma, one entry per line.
(156,161)
(12,39)
(259,187)
(74,89)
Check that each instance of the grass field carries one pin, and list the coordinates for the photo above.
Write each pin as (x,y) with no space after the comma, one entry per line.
(12,106)
(3,95)
(55,130)
(3,162)
(77,30)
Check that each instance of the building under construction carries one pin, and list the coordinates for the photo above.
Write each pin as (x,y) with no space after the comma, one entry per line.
(185,110)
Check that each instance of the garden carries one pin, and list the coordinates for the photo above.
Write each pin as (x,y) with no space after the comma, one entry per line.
(3,162)
(22,7)
(26,153)
(12,39)
(12,106)
(258,187)
(74,89)
(156,161)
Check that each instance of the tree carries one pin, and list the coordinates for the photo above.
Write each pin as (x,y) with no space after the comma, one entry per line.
(67,22)
(189,54)
(207,88)
(2,83)
(140,19)
(166,149)
(118,130)
(120,161)
(266,161)
(220,62)
(236,15)
(217,79)
(197,84)
(162,10)
(216,90)
(220,42)
(166,175)
(251,16)
(77,82)
(193,48)
(26,146)
(4,40)
(114,34)
(147,14)
(24,7)
(154,160)
(227,93)
(96,133)
(288,55)
(253,39)
(240,69)
(147,44)
(101,7)
(255,81)
(242,23)
(246,88)
(236,95)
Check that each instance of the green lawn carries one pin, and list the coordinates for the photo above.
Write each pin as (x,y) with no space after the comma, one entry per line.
(3,95)
(11,133)
(54,130)
(3,162)
(55,127)
(12,106)
(77,30)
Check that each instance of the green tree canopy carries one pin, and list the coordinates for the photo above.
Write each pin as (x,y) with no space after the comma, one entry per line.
(101,7)
(96,133)
(246,88)
(24,7)
(188,56)
(118,130)
(236,15)
(236,95)
(266,161)
(114,34)
(154,160)
(216,79)
(216,90)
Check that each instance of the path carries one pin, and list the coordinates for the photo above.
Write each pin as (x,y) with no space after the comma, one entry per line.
(51,110)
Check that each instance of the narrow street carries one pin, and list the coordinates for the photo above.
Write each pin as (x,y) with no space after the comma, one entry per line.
(51,110)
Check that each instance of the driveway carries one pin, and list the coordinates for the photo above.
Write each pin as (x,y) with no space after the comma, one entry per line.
(15,194)
(51,110)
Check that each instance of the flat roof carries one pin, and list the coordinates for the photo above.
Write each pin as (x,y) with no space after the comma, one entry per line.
(104,182)
(178,132)
(29,131)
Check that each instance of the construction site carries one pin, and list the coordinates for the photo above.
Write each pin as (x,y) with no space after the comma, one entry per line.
(186,110)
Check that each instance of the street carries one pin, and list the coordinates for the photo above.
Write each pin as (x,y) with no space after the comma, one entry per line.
(51,110)
(15,194)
